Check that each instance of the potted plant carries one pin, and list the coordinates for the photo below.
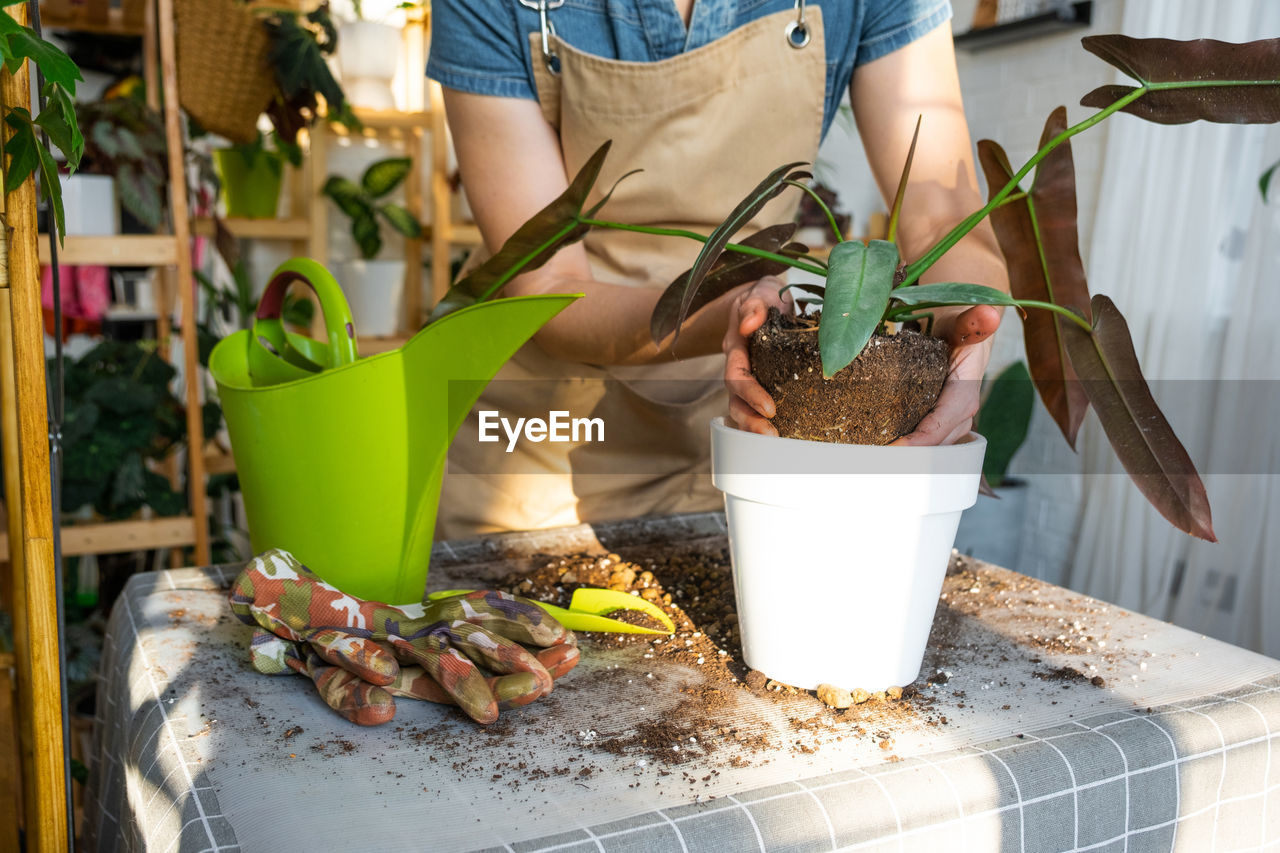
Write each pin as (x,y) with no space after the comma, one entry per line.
(250,175)
(876,543)
(368,57)
(991,529)
(374,286)
(270,60)
(125,143)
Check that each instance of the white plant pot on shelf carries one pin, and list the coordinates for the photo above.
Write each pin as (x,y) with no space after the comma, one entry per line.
(374,290)
(89,202)
(368,56)
(839,551)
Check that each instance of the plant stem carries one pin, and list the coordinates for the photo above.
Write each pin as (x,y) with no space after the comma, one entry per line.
(891,314)
(694,235)
(916,269)
(831,218)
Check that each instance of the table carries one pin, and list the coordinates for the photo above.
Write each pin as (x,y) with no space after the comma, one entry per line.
(1006,745)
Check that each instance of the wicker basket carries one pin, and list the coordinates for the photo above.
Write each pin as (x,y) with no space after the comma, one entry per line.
(225,80)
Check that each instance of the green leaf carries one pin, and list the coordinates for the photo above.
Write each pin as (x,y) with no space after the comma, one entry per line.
(533,244)
(1264,182)
(767,190)
(1195,80)
(402,220)
(348,196)
(127,487)
(104,137)
(58,119)
(1004,418)
(859,284)
(364,229)
(299,61)
(140,195)
(22,148)
(51,188)
(385,175)
(950,293)
(1039,239)
(730,270)
(1142,438)
(56,66)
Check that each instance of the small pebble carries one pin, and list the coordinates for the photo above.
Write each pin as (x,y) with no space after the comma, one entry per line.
(834,697)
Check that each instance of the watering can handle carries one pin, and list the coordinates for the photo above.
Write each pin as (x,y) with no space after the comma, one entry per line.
(339,328)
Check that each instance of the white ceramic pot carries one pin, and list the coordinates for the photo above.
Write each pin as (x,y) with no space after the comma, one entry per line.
(373,289)
(368,57)
(991,529)
(89,203)
(839,551)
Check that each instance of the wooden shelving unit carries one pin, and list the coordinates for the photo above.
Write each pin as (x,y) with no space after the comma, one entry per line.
(169,252)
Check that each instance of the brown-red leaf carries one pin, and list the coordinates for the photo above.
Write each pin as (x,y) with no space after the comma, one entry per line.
(534,243)
(1038,237)
(1250,76)
(1138,431)
(730,270)
(764,192)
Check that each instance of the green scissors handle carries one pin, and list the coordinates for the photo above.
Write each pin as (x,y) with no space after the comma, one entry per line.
(587,606)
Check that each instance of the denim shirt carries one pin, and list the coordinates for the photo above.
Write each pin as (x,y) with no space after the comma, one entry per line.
(482,46)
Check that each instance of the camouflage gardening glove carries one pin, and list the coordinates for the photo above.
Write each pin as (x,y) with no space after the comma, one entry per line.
(352,649)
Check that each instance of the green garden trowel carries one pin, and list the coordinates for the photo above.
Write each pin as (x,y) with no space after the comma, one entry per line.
(340,458)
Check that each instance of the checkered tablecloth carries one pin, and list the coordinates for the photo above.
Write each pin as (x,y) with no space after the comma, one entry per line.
(195,752)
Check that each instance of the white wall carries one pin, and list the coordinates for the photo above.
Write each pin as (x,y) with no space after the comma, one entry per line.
(1009,91)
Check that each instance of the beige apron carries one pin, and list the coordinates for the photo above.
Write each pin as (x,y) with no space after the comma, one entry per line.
(705,126)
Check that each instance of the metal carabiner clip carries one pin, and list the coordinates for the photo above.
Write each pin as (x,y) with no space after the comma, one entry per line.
(549,57)
(797,33)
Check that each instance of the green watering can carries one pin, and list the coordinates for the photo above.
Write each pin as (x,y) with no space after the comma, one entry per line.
(341,458)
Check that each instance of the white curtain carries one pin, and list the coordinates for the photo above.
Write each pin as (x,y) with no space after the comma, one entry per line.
(1188,250)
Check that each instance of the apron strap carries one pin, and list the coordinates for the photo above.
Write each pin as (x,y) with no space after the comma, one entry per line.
(549,57)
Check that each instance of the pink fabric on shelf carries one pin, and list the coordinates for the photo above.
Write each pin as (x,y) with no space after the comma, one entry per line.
(86,290)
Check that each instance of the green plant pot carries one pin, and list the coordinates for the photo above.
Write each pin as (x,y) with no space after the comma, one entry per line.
(250,182)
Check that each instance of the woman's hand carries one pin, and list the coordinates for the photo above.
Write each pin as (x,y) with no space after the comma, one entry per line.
(750,406)
(969,336)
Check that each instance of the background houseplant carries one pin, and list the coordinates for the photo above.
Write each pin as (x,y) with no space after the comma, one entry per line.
(992,528)
(125,139)
(374,286)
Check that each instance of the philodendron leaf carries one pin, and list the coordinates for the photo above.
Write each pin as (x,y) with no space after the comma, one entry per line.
(555,226)
(942,294)
(1221,82)
(385,175)
(892,233)
(730,270)
(859,283)
(1038,237)
(764,192)
(1138,431)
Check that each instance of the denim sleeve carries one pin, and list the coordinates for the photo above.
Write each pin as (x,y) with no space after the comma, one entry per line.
(476,47)
(891,24)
